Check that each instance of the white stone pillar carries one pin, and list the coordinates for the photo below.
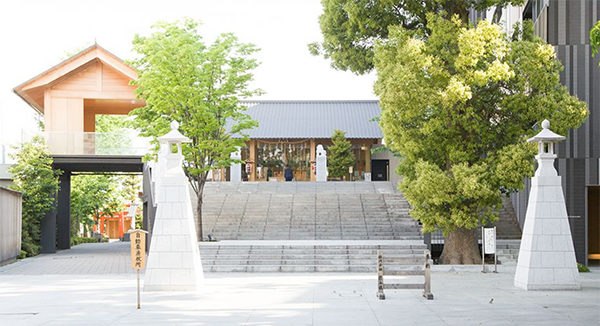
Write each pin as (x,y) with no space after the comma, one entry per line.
(235,171)
(174,258)
(546,255)
(321,164)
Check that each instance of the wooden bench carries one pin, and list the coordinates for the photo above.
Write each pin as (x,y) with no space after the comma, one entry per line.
(426,272)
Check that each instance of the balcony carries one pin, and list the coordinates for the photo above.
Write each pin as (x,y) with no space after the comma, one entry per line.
(127,143)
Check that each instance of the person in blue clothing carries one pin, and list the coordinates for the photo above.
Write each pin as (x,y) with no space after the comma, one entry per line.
(288,174)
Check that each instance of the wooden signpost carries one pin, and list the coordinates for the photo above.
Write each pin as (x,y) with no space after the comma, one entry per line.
(138,255)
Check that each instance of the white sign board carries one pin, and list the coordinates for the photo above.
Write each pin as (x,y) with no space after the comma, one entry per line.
(489,235)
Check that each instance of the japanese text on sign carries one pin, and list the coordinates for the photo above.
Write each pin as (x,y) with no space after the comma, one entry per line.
(489,240)
(138,249)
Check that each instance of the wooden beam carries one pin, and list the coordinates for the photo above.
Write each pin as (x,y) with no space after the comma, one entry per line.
(368,158)
(252,160)
(400,286)
(405,273)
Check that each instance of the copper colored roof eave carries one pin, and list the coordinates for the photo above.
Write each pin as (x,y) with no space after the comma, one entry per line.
(71,58)
(28,102)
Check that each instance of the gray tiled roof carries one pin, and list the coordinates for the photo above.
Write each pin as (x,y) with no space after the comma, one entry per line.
(314,119)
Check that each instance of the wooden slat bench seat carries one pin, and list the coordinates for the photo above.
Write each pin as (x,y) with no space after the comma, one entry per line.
(425,272)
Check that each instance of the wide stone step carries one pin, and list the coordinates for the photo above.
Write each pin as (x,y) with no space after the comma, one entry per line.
(405,271)
(357,248)
(239,262)
(318,256)
(313,257)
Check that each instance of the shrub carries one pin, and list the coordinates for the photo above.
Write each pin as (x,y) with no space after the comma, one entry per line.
(582,268)
(340,156)
(34,177)
(79,240)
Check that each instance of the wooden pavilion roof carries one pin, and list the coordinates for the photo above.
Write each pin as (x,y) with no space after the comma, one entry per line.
(32,91)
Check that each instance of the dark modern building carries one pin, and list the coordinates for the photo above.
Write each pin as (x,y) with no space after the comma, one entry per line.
(565,24)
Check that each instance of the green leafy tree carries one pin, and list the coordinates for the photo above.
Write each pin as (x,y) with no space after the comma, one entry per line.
(111,123)
(458,107)
(34,177)
(131,187)
(340,156)
(91,194)
(595,38)
(181,78)
(112,135)
(351,28)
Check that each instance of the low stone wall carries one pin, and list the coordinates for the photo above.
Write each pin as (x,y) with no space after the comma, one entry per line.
(10,225)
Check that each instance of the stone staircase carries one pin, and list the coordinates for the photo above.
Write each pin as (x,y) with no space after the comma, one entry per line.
(507,225)
(310,256)
(508,251)
(307,211)
(307,227)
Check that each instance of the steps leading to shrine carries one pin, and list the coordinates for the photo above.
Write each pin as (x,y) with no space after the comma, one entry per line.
(508,251)
(307,211)
(310,256)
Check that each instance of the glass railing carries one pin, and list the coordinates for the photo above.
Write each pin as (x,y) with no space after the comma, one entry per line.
(97,143)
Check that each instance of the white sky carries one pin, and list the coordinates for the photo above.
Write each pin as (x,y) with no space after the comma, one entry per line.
(35,35)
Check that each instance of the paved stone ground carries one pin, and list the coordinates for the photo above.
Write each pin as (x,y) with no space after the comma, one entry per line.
(91,284)
(87,258)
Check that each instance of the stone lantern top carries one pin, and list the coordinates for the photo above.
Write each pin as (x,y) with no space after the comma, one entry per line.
(546,139)
(546,135)
(174,136)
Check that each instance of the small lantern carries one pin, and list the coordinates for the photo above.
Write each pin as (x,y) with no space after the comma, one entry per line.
(546,139)
(173,137)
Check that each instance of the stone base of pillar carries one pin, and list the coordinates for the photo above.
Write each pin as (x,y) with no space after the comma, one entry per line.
(546,255)
(174,258)
(174,261)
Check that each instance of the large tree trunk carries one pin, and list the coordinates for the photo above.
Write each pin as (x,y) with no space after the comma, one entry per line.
(460,247)
(457,8)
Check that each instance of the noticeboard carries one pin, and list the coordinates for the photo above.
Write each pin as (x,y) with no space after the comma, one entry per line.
(489,235)
(138,249)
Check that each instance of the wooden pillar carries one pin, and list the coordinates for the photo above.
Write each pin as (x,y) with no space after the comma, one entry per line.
(121,224)
(368,158)
(252,160)
(313,159)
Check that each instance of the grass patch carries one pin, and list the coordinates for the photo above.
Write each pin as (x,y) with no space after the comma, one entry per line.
(79,240)
(582,268)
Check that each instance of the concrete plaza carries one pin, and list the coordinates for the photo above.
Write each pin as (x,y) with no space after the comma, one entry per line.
(92,284)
